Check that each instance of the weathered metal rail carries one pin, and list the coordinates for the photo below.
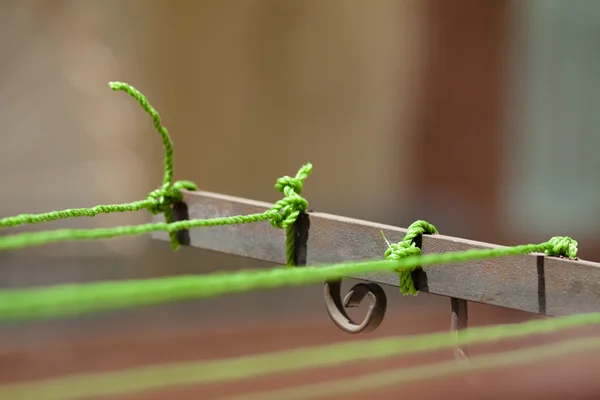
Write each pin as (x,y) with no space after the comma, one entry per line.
(535,283)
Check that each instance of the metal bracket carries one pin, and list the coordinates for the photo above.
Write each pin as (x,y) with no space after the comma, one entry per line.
(534,283)
(458,322)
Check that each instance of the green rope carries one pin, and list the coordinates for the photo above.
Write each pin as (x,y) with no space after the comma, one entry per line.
(73,213)
(74,299)
(31,239)
(169,193)
(164,133)
(66,300)
(157,201)
(290,207)
(408,247)
(378,380)
(215,371)
(281,215)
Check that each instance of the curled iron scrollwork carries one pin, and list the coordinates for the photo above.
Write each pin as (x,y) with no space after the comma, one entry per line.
(336,308)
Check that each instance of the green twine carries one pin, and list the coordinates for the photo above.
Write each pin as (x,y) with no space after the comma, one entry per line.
(64,300)
(378,380)
(164,133)
(74,299)
(282,215)
(170,193)
(158,377)
(408,247)
(31,239)
(290,207)
(23,219)
(157,201)
(559,246)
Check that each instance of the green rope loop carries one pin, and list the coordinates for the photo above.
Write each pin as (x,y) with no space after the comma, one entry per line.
(287,210)
(408,247)
(162,199)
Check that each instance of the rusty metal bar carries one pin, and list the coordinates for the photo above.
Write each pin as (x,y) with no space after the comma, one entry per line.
(534,283)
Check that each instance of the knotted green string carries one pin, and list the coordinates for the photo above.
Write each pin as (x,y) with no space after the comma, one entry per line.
(162,199)
(408,247)
(63,300)
(562,246)
(286,209)
(74,299)
(289,208)
(158,201)
(558,246)
(282,215)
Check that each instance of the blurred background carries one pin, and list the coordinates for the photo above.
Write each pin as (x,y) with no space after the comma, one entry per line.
(477,116)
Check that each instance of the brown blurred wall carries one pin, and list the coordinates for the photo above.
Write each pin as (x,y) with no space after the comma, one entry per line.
(461,115)
(256,90)
(250,90)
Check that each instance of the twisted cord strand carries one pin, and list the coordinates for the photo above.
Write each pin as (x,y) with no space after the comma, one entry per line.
(23,219)
(32,239)
(408,247)
(162,130)
(64,300)
(396,376)
(289,208)
(74,299)
(158,201)
(169,193)
(282,215)
(251,366)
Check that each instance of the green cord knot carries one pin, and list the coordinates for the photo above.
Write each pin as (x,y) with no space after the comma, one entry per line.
(162,201)
(562,246)
(163,198)
(285,212)
(288,182)
(287,209)
(406,248)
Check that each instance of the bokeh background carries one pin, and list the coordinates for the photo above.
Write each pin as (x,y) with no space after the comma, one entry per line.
(478,116)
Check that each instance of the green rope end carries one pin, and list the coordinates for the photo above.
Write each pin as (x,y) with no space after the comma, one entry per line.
(164,133)
(408,247)
(562,246)
(160,200)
